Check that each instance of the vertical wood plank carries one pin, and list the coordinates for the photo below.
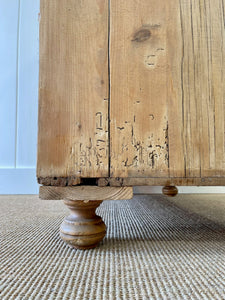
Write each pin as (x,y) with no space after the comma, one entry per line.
(187,63)
(9,11)
(213,161)
(139,88)
(167,88)
(28,63)
(203,86)
(73,89)
(175,91)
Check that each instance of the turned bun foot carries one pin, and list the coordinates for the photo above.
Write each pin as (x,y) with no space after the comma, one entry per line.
(83,229)
(170,191)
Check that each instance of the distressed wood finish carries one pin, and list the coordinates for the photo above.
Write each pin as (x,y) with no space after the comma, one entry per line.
(87,193)
(73,90)
(167,90)
(131,93)
(179,181)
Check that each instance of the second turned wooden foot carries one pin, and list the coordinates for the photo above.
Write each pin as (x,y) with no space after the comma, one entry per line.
(170,191)
(83,229)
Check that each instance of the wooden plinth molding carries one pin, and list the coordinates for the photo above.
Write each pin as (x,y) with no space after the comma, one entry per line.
(170,191)
(85,192)
(83,229)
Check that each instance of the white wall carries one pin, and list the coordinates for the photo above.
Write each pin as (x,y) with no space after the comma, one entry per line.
(18,95)
(19,100)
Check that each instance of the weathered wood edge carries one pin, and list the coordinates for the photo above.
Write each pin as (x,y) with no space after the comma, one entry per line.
(194,181)
(59,181)
(85,193)
(131,181)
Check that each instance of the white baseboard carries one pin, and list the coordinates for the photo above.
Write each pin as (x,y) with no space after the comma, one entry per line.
(181,189)
(18,181)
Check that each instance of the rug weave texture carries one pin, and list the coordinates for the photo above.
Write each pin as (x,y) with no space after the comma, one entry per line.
(153,250)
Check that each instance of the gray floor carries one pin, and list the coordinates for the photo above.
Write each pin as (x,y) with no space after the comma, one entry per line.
(155,248)
(211,206)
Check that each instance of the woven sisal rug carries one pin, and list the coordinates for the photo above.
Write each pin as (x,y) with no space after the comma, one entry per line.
(153,250)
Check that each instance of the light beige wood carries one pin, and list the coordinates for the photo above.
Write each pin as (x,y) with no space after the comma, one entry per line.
(167,93)
(73,91)
(164,181)
(85,193)
(138,64)
(83,229)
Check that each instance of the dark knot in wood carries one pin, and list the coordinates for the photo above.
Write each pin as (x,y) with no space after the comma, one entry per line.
(141,35)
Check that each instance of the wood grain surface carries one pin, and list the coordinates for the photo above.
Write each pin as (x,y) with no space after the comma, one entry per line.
(167,88)
(163,181)
(156,68)
(86,193)
(73,92)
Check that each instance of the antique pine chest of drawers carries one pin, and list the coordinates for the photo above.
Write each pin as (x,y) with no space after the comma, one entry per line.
(131,93)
